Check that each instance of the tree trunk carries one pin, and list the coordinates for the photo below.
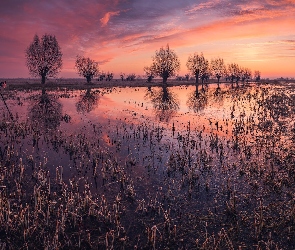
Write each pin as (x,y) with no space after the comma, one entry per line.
(165,96)
(43,78)
(232,78)
(165,79)
(197,90)
(197,78)
(88,78)
(218,81)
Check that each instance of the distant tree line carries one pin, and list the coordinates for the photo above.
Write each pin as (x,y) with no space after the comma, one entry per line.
(166,64)
(44,59)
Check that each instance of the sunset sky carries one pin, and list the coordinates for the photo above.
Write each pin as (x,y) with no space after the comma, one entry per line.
(123,35)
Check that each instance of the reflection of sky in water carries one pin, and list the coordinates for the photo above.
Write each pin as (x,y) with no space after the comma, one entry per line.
(119,112)
(131,105)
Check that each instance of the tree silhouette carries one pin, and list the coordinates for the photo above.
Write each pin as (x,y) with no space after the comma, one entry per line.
(86,67)
(245,74)
(257,75)
(87,102)
(101,76)
(130,77)
(122,76)
(45,112)
(234,72)
(187,77)
(197,65)
(165,64)
(164,101)
(218,68)
(197,100)
(149,74)
(44,57)
(110,76)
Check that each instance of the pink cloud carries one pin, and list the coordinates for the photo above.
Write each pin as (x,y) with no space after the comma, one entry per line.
(280,3)
(202,6)
(104,21)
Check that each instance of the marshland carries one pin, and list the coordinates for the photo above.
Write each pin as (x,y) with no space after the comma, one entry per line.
(147,166)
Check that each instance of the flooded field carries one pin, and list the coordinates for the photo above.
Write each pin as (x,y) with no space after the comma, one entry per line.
(180,167)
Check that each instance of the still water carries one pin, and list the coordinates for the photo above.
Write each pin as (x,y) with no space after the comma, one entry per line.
(202,152)
(151,127)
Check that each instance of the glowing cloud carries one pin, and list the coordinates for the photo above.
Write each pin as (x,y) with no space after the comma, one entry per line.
(202,6)
(104,21)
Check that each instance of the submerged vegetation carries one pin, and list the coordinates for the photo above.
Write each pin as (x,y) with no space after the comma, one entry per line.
(213,171)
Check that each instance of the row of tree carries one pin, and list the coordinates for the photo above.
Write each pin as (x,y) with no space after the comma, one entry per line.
(166,64)
(44,59)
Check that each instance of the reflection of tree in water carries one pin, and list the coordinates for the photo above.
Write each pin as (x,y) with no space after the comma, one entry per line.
(236,93)
(218,96)
(45,112)
(165,103)
(149,93)
(197,100)
(88,101)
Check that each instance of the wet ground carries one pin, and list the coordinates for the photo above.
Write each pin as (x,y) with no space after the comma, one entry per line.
(180,167)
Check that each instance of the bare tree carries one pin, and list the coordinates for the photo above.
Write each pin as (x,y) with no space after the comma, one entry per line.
(110,76)
(44,57)
(187,77)
(197,65)
(245,74)
(130,77)
(165,64)
(218,68)
(87,67)
(234,72)
(227,74)
(149,74)
(122,76)
(101,76)
(257,75)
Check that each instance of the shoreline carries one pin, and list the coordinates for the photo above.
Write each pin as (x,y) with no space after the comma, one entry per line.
(79,83)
